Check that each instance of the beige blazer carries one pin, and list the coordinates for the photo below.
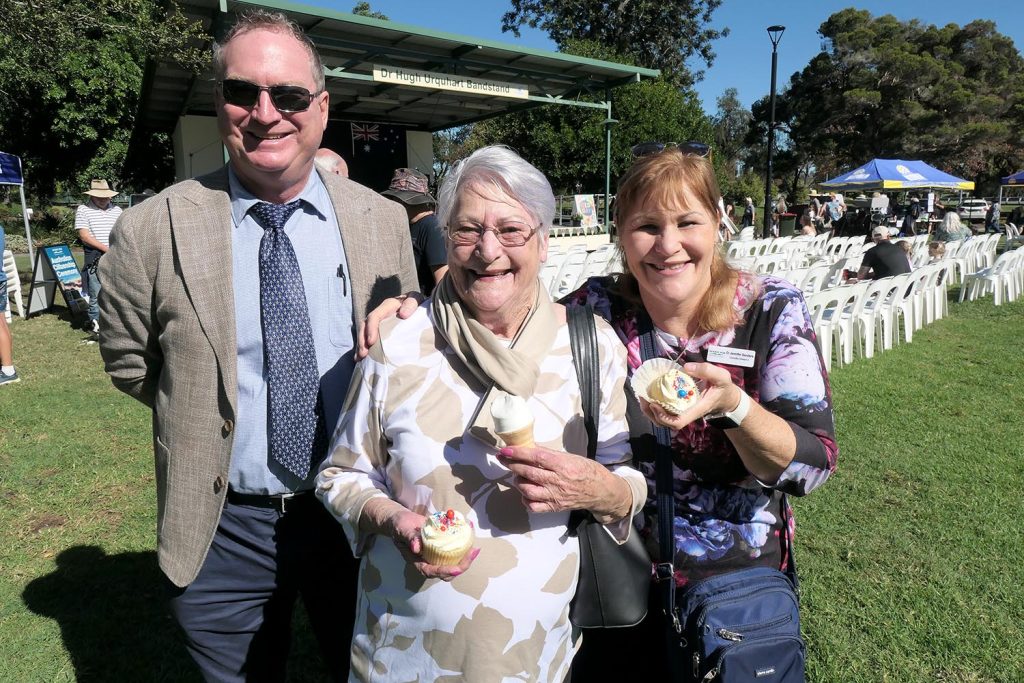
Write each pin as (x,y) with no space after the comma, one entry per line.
(168,334)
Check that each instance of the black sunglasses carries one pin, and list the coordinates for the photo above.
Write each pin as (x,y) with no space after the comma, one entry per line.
(697,149)
(287,98)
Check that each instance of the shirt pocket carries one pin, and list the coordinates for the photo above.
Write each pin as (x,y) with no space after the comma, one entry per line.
(339,311)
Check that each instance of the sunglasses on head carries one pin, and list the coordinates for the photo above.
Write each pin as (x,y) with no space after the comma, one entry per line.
(697,149)
(287,98)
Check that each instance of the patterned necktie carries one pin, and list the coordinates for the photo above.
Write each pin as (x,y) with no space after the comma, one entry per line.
(293,379)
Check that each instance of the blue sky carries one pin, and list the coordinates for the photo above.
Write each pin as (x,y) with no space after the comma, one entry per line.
(744,57)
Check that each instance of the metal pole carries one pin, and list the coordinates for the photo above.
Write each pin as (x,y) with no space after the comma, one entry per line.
(28,230)
(608,123)
(771,149)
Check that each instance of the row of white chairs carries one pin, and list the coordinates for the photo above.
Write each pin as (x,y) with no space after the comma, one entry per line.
(1004,279)
(13,285)
(860,318)
(564,272)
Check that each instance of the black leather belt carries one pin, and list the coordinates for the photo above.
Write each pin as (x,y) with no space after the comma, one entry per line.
(280,502)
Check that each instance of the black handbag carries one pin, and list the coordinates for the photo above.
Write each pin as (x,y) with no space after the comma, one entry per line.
(614,579)
(734,627)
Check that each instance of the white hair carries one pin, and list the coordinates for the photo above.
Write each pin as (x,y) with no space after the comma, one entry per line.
(499,167)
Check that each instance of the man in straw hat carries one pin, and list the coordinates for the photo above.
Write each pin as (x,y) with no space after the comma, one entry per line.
(409,188)
(94,220)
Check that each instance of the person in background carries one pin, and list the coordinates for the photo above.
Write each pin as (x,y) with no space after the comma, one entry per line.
(907,248)
(936,251)
(992,218)
(951,229)
(8,375)
(94,220)
(807,223)
(229,307)
(749,213)
(883,259)
(914,212)
(409,188)
(330,161)
(834,209)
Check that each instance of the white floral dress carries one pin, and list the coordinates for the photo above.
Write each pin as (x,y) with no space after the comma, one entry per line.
(404,434)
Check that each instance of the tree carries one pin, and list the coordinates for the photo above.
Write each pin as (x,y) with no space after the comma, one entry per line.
(568,143)
(70,74)
(449,146)
(363,9)
(952,96)
(656,35)
(731,123)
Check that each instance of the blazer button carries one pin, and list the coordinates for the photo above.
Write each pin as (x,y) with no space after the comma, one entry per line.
(229,426)
(218,484)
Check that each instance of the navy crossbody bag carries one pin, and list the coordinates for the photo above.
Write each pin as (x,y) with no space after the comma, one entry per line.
(738,627)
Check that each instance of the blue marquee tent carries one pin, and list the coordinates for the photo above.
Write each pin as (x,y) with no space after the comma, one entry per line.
(1014,181)
(895,174)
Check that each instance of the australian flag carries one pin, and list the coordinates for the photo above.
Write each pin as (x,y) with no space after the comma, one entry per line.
(10,169)
(377,150)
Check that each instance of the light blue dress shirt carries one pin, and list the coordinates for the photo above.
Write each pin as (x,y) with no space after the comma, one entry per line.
(313,231)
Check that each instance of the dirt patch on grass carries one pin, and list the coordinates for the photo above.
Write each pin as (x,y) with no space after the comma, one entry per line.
(47,521)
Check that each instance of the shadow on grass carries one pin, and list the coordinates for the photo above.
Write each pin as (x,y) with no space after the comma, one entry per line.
(112,612)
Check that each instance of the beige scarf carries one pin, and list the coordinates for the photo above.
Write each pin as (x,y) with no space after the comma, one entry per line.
(511,368)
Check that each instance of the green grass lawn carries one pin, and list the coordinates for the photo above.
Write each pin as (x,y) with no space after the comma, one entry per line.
(907,556)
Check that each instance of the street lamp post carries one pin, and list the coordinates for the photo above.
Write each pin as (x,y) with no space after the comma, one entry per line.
(775,34)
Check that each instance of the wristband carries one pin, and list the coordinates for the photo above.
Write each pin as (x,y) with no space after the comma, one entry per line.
(733,418)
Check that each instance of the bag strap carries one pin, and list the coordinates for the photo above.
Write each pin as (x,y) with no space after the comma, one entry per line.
(666,503)
(583,341)
(665,569)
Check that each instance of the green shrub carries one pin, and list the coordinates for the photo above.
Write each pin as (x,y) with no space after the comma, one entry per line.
(55,224)
(16,242)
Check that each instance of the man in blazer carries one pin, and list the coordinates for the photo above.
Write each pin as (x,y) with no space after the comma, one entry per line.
(202,330)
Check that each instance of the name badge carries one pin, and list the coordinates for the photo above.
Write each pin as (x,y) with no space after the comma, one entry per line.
(727,356)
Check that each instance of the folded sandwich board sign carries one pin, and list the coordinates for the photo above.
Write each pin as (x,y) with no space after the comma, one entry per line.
(55,269)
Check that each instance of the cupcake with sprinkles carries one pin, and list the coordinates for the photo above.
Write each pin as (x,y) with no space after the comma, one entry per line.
(447,536)
(664,382)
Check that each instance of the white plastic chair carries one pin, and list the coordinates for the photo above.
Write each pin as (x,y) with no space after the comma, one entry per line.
(1000,279)
(13,285)
(824,307)
(875,319)
(746,234)
(964,260)
(903,308)
(815,280)
(852,300)
(835,274)
(768,264)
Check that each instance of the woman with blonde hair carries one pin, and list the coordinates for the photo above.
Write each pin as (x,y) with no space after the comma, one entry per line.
(951,229)
(763,424)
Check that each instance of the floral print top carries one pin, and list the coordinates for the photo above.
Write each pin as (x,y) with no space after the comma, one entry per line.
(725,519)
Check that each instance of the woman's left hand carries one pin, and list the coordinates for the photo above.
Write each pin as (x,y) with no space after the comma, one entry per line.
(550,481)
(718,395)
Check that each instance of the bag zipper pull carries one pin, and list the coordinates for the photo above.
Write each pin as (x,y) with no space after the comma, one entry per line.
(696,665)
(730,635)
(710,676)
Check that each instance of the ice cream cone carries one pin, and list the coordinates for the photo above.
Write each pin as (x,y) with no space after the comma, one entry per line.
(519,437)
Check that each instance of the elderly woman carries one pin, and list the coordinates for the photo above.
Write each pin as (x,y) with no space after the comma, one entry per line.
(416,437)
(763,425)
(951,229)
